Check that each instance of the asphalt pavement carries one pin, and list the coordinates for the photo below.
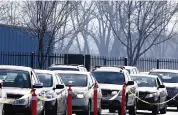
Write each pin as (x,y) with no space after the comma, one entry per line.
(170,111)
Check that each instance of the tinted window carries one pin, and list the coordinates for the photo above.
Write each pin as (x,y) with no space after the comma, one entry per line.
(144,81)
(64,69)
(46,79)
(14,78)
(109,77)
(167,77)
(76,80)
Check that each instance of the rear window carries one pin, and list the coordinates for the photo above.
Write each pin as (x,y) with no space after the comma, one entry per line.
(109,77)
(76,80)
(64,69)
(46,79)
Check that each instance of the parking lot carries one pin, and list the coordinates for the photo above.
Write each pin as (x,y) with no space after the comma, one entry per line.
(171,111)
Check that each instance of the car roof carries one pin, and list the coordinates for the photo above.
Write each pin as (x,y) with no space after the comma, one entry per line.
(129,67)
(165,70)
(144,75)
(66,66)
(109,69)
(13,67)
(43,71)
(72,72)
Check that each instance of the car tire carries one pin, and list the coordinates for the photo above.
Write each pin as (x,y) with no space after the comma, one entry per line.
(133,109)
(155,109)
(164,110)
(112,110)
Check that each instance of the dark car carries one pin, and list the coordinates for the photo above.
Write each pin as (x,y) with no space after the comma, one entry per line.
(19,81)
(111,80)
(151,90)
(82,91)
(170,80)
(54,88)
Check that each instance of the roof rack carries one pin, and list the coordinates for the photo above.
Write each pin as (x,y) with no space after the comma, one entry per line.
(95,67)
(69,64)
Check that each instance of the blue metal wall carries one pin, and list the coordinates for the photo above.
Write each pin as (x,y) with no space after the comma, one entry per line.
(16,39)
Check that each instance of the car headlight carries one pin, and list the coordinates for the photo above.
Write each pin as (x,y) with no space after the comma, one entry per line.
(21,102)
(151,95)
(80,96)
(114,92)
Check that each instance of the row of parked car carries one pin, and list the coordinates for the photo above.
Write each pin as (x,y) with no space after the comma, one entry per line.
(156,86)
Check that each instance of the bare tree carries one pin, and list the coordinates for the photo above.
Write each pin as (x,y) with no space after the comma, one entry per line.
(142,23)
(46,20)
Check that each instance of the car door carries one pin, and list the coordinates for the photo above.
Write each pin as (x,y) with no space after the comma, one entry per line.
(162,91)
(64,93)
(58,95)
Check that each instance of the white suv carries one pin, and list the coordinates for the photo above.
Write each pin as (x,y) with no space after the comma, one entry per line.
(72,67)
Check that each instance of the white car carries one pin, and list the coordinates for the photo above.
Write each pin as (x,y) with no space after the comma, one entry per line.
(82,91)
(131,69)
(71,67)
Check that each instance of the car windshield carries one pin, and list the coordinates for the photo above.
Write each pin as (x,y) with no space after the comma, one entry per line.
(15,78)
(76,80)
(167,77)
(46,79)
(109,77)
(144,81)
(64,69)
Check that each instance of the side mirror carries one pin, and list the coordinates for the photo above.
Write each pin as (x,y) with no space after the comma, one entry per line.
(130,83)
(59,86)
(38,85)
(161,86)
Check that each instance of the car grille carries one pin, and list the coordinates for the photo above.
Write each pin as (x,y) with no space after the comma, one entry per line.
(170,90)
(106,92)
(142,94)
(13,96)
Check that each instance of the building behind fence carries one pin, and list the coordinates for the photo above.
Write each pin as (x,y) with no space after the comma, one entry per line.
(31,60)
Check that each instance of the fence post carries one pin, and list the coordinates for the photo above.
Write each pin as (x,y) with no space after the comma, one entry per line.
(32,59)
(65,58)
(157,63)
(88,62)
(104,61)
(125,61)
(49,61)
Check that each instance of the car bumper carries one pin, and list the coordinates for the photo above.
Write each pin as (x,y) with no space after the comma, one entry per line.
(173,103)
(106,103)
(79,105)
(145,106)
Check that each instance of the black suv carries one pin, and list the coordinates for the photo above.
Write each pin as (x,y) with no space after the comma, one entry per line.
(170,80)
(70,67)
(54,88)
(111,80)
(17,82)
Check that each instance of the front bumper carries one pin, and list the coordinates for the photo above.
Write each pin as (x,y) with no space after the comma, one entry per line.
(79,105)
(172,103)
(106,103)
(145,106)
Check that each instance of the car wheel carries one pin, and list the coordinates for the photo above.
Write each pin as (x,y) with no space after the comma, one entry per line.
(112,110)
(155,109)
(133,109)
(164,110)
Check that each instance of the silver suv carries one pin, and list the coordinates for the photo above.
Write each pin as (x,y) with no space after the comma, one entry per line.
(111,80)
(82,91)
(71,67)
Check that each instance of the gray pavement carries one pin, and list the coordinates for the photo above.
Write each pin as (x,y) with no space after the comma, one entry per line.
(171,111)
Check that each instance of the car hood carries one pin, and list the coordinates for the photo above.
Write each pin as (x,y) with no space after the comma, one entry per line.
(110,86)
(147,89)
(16,90)
(171,85)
